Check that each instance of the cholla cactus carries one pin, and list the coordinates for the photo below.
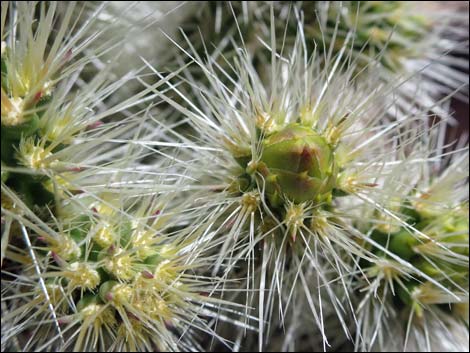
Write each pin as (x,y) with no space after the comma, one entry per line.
(116,280)
(406,40)
(259,197)
(89,261)
(427,226)
(287,162)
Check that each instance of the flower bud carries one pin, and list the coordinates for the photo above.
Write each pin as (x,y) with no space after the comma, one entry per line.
(300,164)
(402,244)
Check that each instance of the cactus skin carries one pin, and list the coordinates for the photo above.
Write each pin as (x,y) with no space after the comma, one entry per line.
(447,229)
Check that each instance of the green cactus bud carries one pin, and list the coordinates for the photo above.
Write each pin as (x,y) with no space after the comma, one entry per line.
(426,267)
(411,215)
(25,127)
(443,271)
(32,191)
(402,244)
(81,227)
(451,229)
(153,260)
(300,164)
(105,290)
(87,299)
(125,232)
(405,294)
(5,174)
(457,226)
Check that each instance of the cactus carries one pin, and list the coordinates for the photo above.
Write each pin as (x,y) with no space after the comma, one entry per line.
(274,178)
